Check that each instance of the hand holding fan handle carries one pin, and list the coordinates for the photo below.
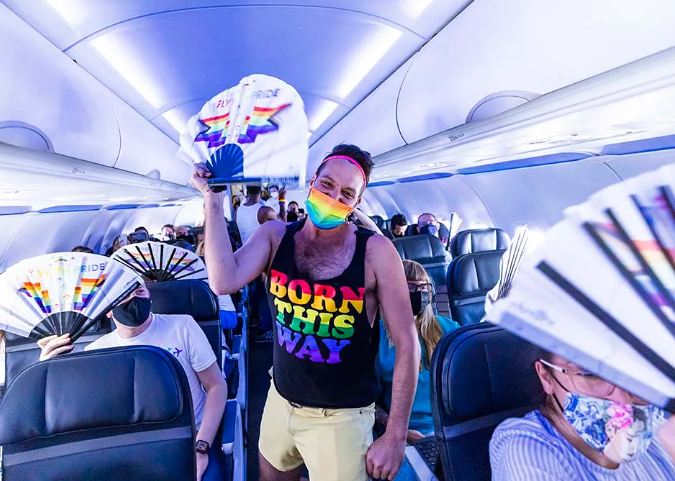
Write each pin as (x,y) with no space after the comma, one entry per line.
(52,346)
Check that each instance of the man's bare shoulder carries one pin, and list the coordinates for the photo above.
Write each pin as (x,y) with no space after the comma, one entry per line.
(380,250)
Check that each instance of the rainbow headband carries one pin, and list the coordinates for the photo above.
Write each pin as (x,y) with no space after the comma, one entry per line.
(363,174)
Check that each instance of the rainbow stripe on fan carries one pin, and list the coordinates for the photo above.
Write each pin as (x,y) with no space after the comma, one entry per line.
(34,291)
(86,291)
(258,123)
(324,211)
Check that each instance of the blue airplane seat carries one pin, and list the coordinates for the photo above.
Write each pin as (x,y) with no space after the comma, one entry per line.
(469,279)
(479,240)
(481,375)
(123,412)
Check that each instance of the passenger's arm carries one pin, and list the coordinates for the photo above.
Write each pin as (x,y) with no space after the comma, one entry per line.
(386,454)
(229,272)
(214,407)
(282,204)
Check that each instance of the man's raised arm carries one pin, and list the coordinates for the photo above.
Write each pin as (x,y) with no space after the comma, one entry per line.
(228,272)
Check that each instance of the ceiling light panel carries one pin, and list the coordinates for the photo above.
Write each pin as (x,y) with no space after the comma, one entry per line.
(366,57)
(133,71)
(324,110)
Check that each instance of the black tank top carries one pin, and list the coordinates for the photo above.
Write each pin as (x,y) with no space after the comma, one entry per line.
(324,346)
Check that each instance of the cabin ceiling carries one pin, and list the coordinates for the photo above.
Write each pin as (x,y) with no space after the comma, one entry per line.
(166,58)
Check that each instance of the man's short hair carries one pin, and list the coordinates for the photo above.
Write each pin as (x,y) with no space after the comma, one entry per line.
(273,186)
(399,219)
(427,213)
(361,157)
(138,229)
(169,225)
(253,189)
(84,249)
(292,202)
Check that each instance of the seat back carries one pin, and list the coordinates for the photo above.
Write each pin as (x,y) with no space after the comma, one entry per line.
(122,413)
(479,240)
(21,352)
(429,251)
(469,279)
(481,375)
(195,298)
(379,222)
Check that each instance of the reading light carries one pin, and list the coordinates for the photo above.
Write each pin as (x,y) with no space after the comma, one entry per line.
(122,61)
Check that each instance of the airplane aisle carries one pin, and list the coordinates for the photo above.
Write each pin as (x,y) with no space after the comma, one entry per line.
(260,362)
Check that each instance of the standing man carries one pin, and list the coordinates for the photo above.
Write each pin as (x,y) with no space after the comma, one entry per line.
(327,279)
(277,200)
(246,215)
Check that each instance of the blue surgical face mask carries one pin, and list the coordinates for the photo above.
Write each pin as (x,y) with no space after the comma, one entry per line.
(620,431)
(429,229)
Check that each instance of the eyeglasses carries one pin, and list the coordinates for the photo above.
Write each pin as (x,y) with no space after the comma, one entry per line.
(426,287)
(584,382)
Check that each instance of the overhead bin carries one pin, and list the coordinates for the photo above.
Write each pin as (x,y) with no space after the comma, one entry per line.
(47,92)
(496,46)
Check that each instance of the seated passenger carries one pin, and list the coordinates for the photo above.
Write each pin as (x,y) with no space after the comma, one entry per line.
(586,429)
(119,242)
(428,224)
(169,232)
(430,329)
(182,337)
(140,234)
(398,226)
(84,249)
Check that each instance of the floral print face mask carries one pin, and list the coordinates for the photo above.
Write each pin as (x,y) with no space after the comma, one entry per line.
(621,431)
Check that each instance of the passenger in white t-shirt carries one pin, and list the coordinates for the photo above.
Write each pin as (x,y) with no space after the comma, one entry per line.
(246,215)
(184,339)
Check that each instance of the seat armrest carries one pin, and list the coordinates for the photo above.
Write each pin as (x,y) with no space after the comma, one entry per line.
(418,464)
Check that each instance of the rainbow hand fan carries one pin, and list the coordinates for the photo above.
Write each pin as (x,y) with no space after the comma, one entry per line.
(161,262)
(253,132)
(600,290)
(61,293)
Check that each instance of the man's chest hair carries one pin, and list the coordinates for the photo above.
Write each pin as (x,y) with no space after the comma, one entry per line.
(323,260)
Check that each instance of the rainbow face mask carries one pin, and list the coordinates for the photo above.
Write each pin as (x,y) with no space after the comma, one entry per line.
(324,211)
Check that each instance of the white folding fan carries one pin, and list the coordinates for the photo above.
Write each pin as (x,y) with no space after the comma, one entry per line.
(63,293)
(508,267)
(253,132)
(600,289)
(161,262)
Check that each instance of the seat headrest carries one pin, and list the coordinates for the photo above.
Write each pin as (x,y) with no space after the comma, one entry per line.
(190,296)
(487,370)
(94,389)
(420,248)
(379,221)
(479,240)
(473,274)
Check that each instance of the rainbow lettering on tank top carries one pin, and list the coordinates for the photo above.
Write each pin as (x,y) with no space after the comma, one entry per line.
(309,314)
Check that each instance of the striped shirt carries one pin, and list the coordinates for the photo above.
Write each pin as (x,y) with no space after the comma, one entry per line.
(531,449)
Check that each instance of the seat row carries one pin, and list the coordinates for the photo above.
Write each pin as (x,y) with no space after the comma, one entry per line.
(463,276)
(110,404)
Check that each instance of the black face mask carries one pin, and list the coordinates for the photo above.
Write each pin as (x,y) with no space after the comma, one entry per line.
(134,312)
(419,301)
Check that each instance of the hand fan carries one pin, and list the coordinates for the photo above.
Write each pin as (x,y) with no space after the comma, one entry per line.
(508,267)
(61,293)
(161,262)
(600,289)
(253,132)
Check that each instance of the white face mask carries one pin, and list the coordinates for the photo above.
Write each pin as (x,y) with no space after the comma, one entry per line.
(274,195)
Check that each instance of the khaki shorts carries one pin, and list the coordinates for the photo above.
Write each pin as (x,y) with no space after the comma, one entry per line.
(331,442)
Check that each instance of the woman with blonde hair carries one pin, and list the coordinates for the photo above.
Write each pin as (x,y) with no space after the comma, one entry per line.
(430,329)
